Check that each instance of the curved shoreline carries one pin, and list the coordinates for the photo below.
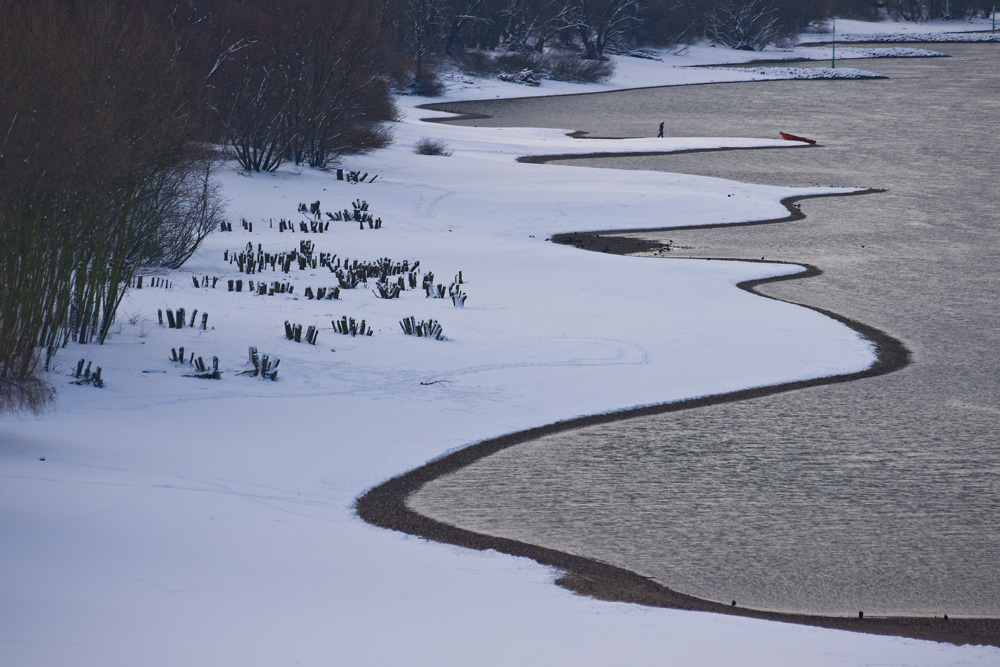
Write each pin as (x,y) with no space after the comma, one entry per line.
(385,505)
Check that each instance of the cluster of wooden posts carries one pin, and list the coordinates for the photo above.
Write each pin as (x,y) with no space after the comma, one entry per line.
(152,281)
(84,376)
(314,226)
(263,366)
(392,278)
(439,291)
(177,321)
(294,332)
(350,275)
(228,226)
(389,290)
(205,282)
(262,288)
(202,372)
(322,293)
(360,214)
(201,368)
(350,327)
(422,328)
(458,297)
(314,209)
(354,176)
(250,262)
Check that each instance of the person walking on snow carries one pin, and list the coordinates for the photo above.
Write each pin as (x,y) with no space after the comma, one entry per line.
(660,135)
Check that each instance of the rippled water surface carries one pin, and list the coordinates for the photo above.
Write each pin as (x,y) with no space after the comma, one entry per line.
(880,495)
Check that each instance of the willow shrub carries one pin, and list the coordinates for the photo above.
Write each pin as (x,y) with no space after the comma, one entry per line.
(96,176)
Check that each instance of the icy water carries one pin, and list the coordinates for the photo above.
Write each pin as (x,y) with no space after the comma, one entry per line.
(880,495)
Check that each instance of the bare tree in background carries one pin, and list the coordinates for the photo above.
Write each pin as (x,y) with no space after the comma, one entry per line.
(306,85)
(337,90)
(600,22)
(748,25)
(252,99)
(531,24)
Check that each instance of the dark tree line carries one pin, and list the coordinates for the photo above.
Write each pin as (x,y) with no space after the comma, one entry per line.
(307,82)
(107,110)
(97,176)
(426,30)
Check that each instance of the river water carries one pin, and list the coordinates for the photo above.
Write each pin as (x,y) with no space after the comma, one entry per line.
(880,495)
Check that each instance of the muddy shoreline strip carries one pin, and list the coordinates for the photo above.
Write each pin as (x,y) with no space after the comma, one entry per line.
(386,505)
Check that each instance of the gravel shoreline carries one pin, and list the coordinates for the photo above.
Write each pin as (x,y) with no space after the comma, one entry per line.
(386,504)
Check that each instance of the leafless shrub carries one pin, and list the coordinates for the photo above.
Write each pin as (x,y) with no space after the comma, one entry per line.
(426,82)
(427,146)
(27,395)
(529,67)
(477,63)
(252,104)
(515,61)
(184,206)
(299,86)
(748,25)
(571,67)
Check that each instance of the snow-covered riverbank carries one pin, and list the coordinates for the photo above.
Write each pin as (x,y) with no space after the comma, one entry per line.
(170,520)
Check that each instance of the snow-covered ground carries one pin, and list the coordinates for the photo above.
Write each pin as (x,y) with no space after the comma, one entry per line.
(167,520)
(971,30)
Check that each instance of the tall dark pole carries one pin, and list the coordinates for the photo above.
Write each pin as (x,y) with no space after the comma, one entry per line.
(833,53)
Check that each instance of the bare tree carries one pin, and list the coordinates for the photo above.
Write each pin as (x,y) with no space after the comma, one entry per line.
(307,87)
(464,13)
(531,24)
(184,204)
(336,83)
(252,100)
(600,22)
(749,25)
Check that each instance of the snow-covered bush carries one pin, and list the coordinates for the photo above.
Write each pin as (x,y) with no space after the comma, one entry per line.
(530,67)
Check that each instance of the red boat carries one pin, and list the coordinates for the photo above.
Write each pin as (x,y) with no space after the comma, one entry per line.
(792,137)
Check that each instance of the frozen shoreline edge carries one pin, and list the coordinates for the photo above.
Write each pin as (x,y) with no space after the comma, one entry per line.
(386,504)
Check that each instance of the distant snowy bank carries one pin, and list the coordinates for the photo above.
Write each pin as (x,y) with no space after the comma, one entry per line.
(891,52)
(805,72)
(927,37)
